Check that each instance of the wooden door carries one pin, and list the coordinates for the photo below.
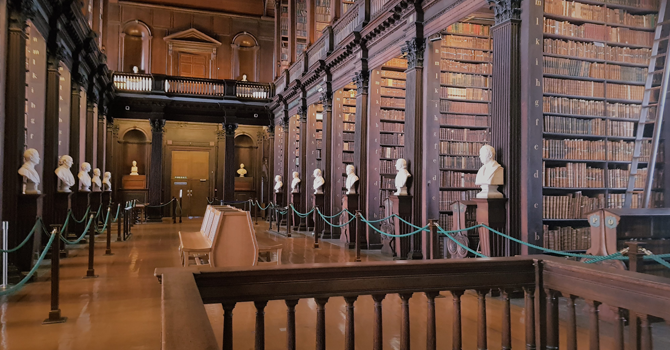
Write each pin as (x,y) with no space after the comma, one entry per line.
(192,66)
(190,174)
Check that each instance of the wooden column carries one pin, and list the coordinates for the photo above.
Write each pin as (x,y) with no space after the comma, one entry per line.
(304,176)
(414,50)
(102,142)
(89,147)
(15,109)
(109,148)
(229,167)
(75,123)
(220,162)
(327,156)
(271,164)
(156,170)
(362,80)
(51,119)
(506,130)
(287,173)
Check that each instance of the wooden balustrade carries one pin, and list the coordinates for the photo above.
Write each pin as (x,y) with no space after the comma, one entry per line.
(252,90)
(133,82)
(190,86)
(543,280)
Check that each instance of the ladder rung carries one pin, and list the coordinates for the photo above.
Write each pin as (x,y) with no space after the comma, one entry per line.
(649,105)
(661,39)
(655,72)
(658,55)
(663,23)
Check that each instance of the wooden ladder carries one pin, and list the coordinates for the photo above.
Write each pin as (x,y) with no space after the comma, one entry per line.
(649,125)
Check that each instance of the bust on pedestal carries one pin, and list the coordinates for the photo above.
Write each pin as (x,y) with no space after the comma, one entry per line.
(107,182)
(401,177)
(278,184)
(65,177)
(352,179)
(241,171)
(96,183)
(31,178)
(319,181)
(84,178)
(295,184)
(133,169)
(490,175)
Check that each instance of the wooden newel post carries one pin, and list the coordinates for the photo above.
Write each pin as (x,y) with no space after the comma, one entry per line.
(359,232)
(492,213)
(108,249)
(174,210)
(635,256)
(54,314)
(432,243)
(90,273)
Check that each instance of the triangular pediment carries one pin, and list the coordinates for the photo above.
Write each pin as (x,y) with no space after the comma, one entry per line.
(192,35)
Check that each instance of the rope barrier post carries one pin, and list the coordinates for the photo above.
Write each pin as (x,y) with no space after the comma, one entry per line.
(316,233)
(174,210)
(358,235)
(289,220)
(55,315)
(118,226)
(108,249)
(181,208)
(256,212)
(90,273)
(635,256)
(5,255)
(433,250)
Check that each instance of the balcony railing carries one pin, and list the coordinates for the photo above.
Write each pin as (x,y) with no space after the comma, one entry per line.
(631,296)
(192,87)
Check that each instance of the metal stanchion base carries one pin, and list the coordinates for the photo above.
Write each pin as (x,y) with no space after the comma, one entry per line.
(108,252)
(55,317)
(4,288)
(90,274)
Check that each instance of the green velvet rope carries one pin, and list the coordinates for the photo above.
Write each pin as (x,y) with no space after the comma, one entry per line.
(90,221)
(30,274)
(83,218)
(333,225)
(38,223)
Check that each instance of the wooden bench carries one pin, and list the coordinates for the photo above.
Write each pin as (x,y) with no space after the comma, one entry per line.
(199,243)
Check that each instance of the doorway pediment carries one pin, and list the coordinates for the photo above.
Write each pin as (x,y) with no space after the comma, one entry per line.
(192,35)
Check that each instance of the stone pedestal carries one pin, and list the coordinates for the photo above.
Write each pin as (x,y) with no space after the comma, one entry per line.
(348,233)
(80,202)
(405,247)
(319,225)
(30,208)
(492,212)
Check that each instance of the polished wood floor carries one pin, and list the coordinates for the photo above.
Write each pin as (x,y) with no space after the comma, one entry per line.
(121,308)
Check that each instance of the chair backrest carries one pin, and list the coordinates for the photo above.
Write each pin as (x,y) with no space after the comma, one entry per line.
(208,222)
(216,224)
(208,213)
(235,243)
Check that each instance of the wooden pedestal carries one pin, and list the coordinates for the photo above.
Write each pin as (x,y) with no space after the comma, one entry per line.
(319,225)
(279,201)
(348,233)
(96,202)
(492,212)
(107,198)
(80,202)
(405,247)
(299,223)
(30,208)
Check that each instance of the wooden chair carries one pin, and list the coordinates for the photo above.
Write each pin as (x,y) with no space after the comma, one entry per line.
(235,245)
(199,243)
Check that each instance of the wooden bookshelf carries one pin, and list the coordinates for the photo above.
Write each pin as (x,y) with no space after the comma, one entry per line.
(301,27)
(285,54)
(322,17)
(346,5)
(595,58)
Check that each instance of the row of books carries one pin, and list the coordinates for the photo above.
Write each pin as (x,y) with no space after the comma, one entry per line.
(387,167)
(603,127)
(445,221)
(460,162)
(593,150)
(347,158)
(618,178)
(392,92)
(460,148)
(450,53)
(456,66)
(387,183)
(393,127)
(349,109)
(598,32)
(598,13)
(463,107)
(448,197)
(391,114)
(574,87)
(393,74)
(641,4)
(457,179)
(450,134)
(468,28)
(573,175)
(464,120)
(400,63)
(349,117)
(566,238)
(598,51)
(466,42)
(349,101)
(393,83)
(348,146)
(470,80)
(348,137)
(623,150)
(619,16)
(349,127)
(565,105)
(617,200)
(393,102)
(392,139)
(571,206)
(625,92)
(465,93)
(616,72)
(392,152)
(575,68)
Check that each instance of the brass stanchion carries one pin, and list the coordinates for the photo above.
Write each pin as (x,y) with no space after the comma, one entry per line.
(90,273)
(55,315)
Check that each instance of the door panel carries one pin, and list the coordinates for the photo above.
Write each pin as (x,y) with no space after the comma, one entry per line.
(192,66)
(190,174)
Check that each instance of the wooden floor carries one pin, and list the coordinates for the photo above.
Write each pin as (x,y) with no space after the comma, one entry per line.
(121,308)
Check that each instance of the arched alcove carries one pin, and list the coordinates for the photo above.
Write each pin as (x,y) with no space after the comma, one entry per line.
(245,56)
(134,148)
(244,153)
(135,47)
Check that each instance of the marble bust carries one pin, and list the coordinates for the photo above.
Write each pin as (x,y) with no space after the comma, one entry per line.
(295,184)
(352,179)
(319,181)
(401,177)
(490,175)
(95,181)
(107,182)
(278,184)
(65,177)
(244,77)
(31,178)
(133,169)
(241,171)
(84,178)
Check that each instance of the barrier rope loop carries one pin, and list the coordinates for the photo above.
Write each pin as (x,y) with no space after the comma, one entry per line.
(302,215)
(161,205)
(83,218)
(104,227)
(30,274)
(118,209)
(38,223)
(90,221)
(353,217)
(448,234)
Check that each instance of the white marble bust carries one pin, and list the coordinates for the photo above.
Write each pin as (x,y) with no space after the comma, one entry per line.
(65,177)
(107,182)
(241,171)
(352,179)
(95,181)
(133,169)
(31,178)
(319,181)
(401,177)
(278,184)
(295,183)
(490,175)
(84,178)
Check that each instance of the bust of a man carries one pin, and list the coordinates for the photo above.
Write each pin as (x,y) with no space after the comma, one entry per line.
(244,77)
(107,182)
(319,181)
(84,178)
(241,171)
(65,177)
(31,177)
(95,182)
(352,179)
(490,175)
(401,177)
(295,183)
(133,169)
(278,184)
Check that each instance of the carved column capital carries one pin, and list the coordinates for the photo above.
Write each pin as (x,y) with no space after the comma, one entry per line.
(302,112)
(221,134)
(326,100)
(230,129)
(286,123)
(157,125)
(271,131)
(115,130)
(20,11)
(505,10)
(414,50)
(55,55)
(362,79)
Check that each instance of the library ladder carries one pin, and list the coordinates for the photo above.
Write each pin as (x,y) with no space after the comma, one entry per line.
(653,107)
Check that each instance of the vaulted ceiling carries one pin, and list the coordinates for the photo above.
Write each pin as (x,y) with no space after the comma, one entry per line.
(240,7)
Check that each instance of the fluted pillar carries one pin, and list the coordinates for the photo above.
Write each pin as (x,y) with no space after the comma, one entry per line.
(51,120)
(362,81)
(156,170)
